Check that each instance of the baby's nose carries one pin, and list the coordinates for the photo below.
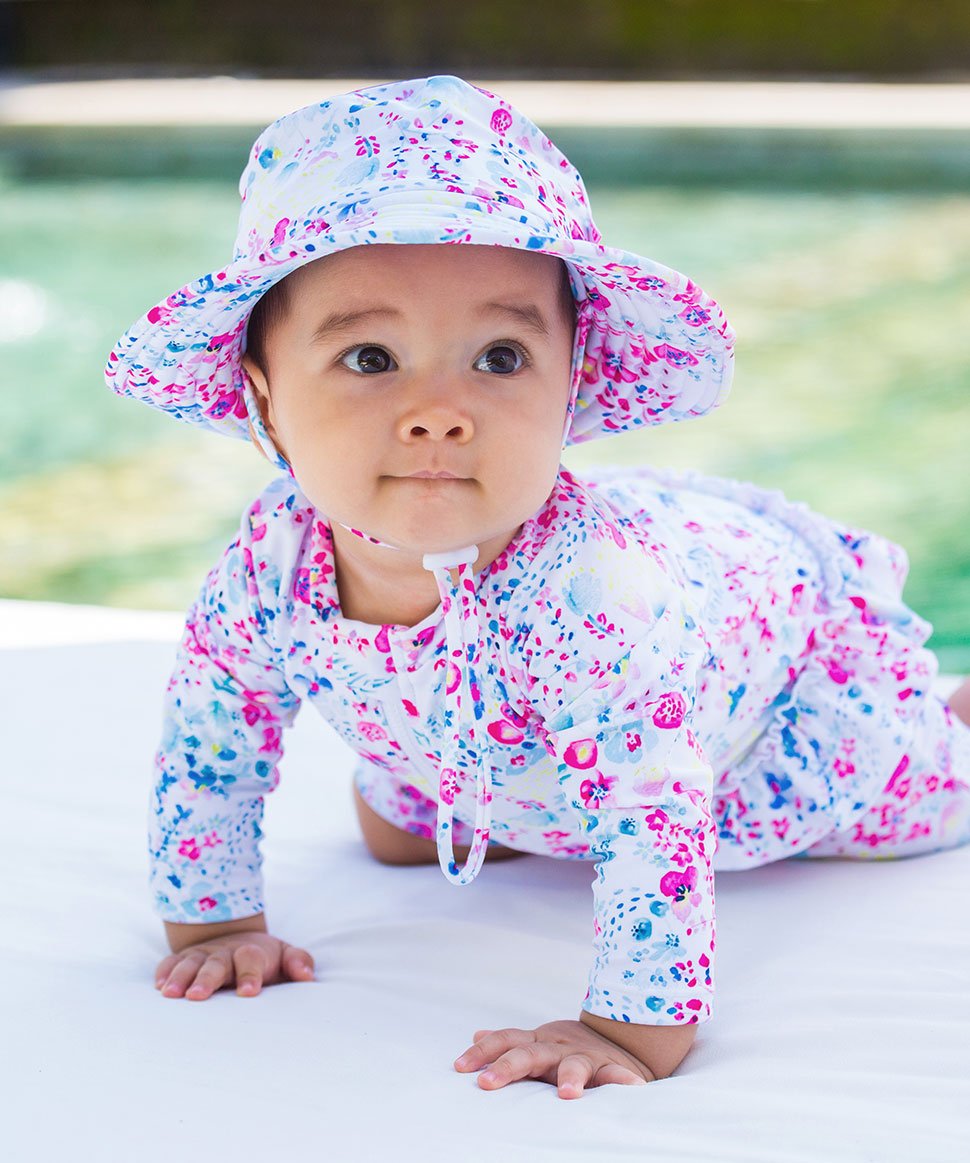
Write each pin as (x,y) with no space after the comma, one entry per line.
(439,420)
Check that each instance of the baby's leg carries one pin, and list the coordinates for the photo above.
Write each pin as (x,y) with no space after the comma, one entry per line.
(925,807)
(412,840)
(959,702)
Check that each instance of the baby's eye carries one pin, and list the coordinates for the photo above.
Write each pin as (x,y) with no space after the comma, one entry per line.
(368,358)
(501,359)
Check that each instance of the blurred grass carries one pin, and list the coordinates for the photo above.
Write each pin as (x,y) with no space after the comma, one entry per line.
(850,297)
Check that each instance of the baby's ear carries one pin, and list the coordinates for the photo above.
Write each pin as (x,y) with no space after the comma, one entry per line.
(260,388)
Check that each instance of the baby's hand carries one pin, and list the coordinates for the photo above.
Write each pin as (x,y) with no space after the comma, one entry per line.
(567,1054)
(247,960)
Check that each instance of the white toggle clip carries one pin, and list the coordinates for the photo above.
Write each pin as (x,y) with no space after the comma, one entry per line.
(450,560)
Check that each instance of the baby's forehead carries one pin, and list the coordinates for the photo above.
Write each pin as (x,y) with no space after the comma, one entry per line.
(417,261)
(407,275)
(458,285)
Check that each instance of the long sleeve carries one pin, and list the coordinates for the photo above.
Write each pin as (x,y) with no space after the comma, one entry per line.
(616,668)
(226,706)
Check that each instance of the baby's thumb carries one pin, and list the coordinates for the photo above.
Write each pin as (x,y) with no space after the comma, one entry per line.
(297,964)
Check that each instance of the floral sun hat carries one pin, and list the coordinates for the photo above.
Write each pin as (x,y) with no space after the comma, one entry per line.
(429,161)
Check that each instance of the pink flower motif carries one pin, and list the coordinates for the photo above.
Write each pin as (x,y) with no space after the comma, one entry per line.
(372,732)
(674,356)
(843,767)
(690,294)
(649,283)
(272,740)
(615,369)
(448,787)
(252,713)
(206,903)
(694,316)
(596,793)
(189,848)
(302,586)
(679,885)
(580,754)
(367,146)
(597,300)
(503,732)
(500,122)
(670,711)
(513,716)
(657,820)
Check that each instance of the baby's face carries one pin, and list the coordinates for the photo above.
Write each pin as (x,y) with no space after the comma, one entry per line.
(420,392)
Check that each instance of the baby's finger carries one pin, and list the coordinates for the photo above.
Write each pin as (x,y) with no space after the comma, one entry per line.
(575,1073)
(297,964)
(487,1048)
(165,967)
(213,975)
(613,1072)
(184,971)
(249,963)
(535,1060)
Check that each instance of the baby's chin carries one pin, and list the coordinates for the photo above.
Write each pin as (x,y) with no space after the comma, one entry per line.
(430,538)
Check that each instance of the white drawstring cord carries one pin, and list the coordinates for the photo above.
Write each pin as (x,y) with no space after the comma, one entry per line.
(458,604)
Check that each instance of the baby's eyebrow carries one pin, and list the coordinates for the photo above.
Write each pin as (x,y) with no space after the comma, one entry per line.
(338,321)
(526,313)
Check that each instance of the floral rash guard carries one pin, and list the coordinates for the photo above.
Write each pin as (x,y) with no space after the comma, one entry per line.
(677,674)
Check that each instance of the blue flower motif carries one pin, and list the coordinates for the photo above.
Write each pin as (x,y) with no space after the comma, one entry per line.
(207,906)
(584,594)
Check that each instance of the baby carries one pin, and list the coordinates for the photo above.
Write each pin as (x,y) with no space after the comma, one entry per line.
(663,674)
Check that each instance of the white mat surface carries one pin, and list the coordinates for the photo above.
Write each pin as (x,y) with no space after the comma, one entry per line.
(842,1028)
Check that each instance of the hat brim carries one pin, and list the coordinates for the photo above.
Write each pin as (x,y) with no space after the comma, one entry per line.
(656,347)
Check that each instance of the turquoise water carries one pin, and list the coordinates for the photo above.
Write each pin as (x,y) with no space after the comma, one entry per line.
(842,261)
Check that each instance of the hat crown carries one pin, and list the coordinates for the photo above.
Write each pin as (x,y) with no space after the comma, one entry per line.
(435,141)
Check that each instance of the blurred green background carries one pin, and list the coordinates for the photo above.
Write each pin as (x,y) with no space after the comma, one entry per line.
(842,259)
(540,38)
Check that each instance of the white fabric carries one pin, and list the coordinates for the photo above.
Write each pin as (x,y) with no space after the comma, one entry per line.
(818,1054)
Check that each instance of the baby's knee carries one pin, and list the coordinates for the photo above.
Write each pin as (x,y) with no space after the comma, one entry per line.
(390,845)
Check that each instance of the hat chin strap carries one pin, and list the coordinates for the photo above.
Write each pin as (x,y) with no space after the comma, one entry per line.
(463,638)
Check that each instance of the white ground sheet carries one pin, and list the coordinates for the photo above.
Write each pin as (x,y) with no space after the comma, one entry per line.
(842,1027)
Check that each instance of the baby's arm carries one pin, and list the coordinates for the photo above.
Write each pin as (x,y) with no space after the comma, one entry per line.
(206,958)
(615,691)
(226,707)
